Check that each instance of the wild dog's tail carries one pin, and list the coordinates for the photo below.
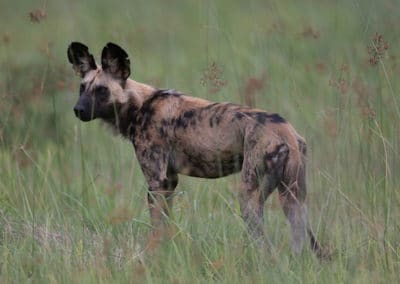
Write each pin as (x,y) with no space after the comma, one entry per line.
(316,247)
(292,195)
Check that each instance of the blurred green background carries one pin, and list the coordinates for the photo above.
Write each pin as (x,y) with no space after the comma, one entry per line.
(73,198)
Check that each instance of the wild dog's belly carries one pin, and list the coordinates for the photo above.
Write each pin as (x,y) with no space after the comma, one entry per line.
(207,165)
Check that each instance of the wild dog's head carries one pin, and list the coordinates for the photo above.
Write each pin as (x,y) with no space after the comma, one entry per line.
(102,88)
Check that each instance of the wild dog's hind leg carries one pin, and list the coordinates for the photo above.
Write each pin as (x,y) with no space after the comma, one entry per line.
(250,197)
(260,175)
(251,206)
(292,195)
(296,212)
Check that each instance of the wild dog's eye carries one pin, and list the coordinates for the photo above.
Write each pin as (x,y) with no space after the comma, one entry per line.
(101,93)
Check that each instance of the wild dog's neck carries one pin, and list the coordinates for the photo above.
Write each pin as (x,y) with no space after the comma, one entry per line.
(138,92)
(135,93)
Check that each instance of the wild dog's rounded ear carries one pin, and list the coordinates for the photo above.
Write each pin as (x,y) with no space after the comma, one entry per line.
(80,58)
(115,61)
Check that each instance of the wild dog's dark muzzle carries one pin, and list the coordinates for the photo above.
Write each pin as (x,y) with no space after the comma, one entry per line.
(82,114)
(84,109)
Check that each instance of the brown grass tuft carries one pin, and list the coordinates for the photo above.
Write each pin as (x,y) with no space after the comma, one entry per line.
(340,84)
(213,78)
(310,32)
(5,39)
(120,215)
(38,15)
(377,49)
(363,98)
(252,86)
(330,124)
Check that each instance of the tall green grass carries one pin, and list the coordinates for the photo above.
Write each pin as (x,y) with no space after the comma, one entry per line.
(73,198)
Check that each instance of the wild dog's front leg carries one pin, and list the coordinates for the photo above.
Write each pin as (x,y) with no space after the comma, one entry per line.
(160,198)
(161,180)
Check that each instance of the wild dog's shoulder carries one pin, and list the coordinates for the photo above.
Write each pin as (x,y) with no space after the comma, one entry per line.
(159,100)
(161,95)
(162,104)
(166,93)
(171,101)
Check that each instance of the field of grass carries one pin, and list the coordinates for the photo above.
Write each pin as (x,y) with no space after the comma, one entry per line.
(72,195)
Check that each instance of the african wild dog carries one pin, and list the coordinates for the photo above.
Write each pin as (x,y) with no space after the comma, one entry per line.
(176,134)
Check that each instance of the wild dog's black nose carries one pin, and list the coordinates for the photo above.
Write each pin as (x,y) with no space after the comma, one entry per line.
(82,114)
(79,111)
